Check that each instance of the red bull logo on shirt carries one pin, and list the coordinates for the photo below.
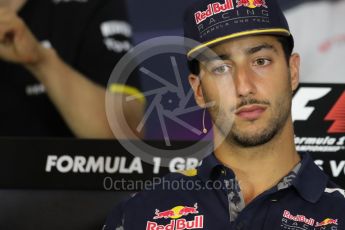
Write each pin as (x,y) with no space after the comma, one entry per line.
(213,9)
(298,218)
(307,223)
(251,3)
(177,223)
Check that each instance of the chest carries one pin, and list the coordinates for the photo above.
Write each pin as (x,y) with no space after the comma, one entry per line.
(211,210)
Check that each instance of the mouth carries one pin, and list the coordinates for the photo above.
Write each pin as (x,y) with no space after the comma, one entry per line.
(251,112)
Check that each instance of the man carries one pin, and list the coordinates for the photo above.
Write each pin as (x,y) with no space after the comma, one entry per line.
(55,59)
(250,75)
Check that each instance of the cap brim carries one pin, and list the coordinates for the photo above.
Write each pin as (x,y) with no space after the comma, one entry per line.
(276,31)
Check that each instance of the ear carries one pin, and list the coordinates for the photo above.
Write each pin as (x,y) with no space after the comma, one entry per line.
(195,83)
(294,70)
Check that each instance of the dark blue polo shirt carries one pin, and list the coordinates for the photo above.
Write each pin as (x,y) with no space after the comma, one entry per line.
(206,198)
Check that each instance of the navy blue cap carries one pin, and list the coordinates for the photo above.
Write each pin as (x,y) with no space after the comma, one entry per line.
(212,21)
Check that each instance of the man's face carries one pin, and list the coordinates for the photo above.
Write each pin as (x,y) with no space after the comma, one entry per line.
(251,84)
(3,2)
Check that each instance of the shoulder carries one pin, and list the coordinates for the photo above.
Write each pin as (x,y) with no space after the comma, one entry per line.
(333,200)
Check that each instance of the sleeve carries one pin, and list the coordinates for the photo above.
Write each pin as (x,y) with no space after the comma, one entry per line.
(107,37)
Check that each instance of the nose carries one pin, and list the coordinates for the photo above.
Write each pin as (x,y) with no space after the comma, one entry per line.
(244,82)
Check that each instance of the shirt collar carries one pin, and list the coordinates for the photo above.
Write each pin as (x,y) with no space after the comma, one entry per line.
(310,181)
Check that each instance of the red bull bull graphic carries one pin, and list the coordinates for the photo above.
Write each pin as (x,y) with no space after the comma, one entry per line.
(164,214)
(213,9)
(251,3)
(189,210)
(176,212)
(177,223)
(327,222)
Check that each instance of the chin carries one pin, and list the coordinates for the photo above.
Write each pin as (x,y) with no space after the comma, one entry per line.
(249,128)
(252,137)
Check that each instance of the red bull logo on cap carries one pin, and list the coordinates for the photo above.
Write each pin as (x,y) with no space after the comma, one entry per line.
(177,223)
(251,3)
(326,222)
(213,9)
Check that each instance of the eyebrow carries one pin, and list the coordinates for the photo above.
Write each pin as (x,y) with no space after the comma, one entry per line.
(258,48)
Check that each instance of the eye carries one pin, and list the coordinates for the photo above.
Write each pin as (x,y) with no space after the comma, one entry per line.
(222,69)
(262,62)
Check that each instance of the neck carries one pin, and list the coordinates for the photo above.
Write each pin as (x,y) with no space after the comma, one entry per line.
(261,167)
(14,5)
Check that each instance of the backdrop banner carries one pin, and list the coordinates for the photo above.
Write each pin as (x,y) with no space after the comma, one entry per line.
(104,165)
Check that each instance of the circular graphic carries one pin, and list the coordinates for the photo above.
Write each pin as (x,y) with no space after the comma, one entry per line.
(170,101)
(177,210)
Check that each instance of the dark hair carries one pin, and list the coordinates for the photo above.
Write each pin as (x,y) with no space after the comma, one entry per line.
(286,42)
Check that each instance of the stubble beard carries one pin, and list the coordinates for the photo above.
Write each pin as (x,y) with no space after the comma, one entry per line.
(233,135)
(273,127)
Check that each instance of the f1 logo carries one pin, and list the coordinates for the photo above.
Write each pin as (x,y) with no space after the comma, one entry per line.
(300,110)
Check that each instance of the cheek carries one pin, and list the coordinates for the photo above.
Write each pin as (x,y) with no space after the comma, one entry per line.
(210,92)
(275,83)
(221,91)
(278,92)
